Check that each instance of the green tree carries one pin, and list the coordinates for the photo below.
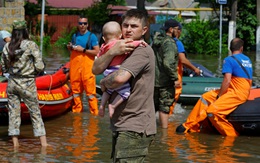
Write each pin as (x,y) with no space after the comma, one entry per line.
(202,37)
(98,13)
(246,19)
(65,37)
(247,23)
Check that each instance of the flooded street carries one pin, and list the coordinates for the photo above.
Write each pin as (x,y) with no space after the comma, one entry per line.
(82,137)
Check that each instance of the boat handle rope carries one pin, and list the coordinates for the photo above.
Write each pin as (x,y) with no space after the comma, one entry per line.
(49,91)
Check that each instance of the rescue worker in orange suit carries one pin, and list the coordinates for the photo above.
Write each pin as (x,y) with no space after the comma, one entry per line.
(84,47)
(217,104)
(183,61)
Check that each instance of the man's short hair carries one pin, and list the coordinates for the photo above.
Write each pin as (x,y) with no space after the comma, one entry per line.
(82,16)
(236,44)
(137,13)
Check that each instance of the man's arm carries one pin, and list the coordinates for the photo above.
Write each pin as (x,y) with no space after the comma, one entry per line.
(170,59)
(91,52)
(225,84)
(102,62)
(116,79)
(188,64)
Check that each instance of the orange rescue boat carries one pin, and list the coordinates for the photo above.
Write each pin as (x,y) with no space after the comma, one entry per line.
(54,94)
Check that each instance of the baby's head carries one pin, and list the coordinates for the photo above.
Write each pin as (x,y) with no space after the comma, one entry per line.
(111,31)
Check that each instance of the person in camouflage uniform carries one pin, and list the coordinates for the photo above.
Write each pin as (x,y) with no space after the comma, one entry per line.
(22,60)
(166,75)
(5,37)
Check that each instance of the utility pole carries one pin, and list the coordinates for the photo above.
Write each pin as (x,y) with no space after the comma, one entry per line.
(220,31)
(140,4)
(42,25)
(221,2)
(258,31)
(232,23)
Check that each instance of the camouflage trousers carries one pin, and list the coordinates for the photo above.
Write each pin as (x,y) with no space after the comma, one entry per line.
(128,146)
(25,89)
(164,98)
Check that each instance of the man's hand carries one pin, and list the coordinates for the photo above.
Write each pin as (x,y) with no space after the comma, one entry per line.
(197,71)
(69,46)
(143,43)
(78,48)
(177,84)
(122,47)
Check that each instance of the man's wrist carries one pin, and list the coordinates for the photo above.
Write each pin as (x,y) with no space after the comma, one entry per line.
(84,50)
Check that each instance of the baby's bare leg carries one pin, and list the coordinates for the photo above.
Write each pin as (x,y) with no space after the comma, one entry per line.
(102,107)
(116,102)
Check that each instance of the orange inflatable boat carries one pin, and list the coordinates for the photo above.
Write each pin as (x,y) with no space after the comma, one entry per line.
(246,118)
(54,94)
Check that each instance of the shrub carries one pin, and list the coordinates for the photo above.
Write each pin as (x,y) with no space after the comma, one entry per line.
(65,37)
(202,37)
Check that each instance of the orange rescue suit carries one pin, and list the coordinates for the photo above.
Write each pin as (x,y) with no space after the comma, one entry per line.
(178,90)
(217,110)
(82,78)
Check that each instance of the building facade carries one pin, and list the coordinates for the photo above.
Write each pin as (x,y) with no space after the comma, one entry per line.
(10,10)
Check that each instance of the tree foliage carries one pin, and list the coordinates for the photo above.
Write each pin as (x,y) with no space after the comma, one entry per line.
(98,13)
(65,37)
(202,37)
(246,19)
(247,23)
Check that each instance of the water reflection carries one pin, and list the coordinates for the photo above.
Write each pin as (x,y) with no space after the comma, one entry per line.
(82,141)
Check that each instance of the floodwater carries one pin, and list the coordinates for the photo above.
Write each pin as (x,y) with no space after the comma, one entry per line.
(82,137)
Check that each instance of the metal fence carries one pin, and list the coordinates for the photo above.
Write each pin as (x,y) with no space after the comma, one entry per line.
(61,23)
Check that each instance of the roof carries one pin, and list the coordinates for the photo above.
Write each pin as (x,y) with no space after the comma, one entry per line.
(119,10)
(78,4)
(154,9)
(134,3)
(151,11)
(175,3)
(161,4)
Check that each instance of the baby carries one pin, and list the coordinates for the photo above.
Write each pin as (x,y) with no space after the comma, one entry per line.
(111,34)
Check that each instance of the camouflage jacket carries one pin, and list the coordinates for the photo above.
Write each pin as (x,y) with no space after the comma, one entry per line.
(166,60)
(28,61)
